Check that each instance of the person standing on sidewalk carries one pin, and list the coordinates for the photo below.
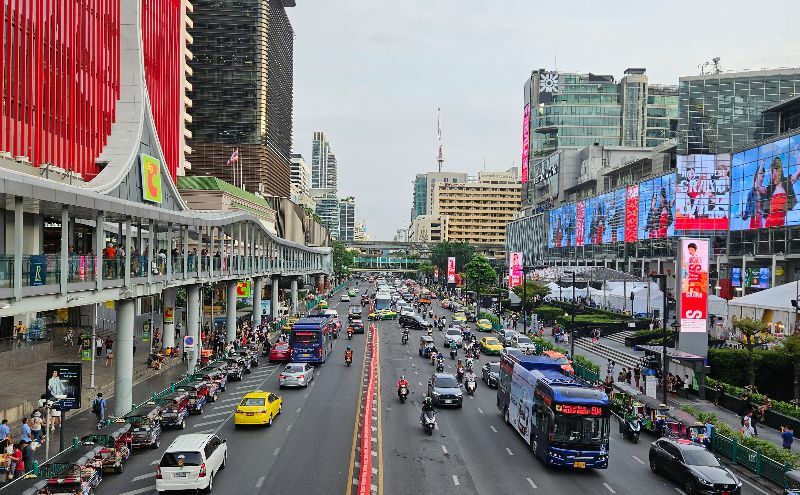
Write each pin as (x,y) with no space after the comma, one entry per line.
(99,408)
(25,434)
(135,341)
(747,430)
(637,374)
(36,426)
(5,431)
(20,332)
(787,436)
(98,345)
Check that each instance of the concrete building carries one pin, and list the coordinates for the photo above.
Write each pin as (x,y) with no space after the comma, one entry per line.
(212,194)
(426,229)
(347,219)
(242,80)
(327,208)
(424,185)
(323,163)
(361,231)
(402,235)
(301,179)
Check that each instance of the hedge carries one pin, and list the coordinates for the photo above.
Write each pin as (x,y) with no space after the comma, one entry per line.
(598,320)
(767,449)
(545,312)
(780,406)
(582,361)
(774,370)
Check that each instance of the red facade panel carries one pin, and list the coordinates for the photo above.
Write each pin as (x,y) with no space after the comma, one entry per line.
(59,80)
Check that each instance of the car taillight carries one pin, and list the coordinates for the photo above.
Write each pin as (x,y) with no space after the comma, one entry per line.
(202,471)
(158,472)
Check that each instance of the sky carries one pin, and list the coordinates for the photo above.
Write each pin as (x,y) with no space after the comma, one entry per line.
(371,74)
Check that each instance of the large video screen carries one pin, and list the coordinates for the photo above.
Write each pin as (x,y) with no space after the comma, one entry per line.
(657,208)
(605,218)
(702,196)
(562,226)
(764,185)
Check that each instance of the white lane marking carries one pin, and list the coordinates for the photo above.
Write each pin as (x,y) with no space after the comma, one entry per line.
(198,425)
(753,486)
(471,397)
(455,480)
(144,476)
(260,481)
(305,396)
(153,463)
(140,490)
(420,384)
(278,449)
(299,408)
(409,357)
(609,487)
(215,414)
(509,451)
(436,427)
(228,400)
(638,460)
(680,491)
(530,482)
(444,450)
(480,410)
(493,429)
(288,428)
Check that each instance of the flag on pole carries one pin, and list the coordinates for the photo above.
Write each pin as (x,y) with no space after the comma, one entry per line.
(234,157)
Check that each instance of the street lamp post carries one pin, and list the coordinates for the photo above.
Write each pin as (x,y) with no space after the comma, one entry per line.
(572,324)
(663,285)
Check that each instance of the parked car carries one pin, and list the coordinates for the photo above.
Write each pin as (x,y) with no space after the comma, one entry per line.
(296,375)
(198,395)
(219,377)
(696,469)
(175,410)
(191,462)
(145,424)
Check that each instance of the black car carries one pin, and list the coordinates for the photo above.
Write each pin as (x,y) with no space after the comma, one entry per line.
(357,326)
(235,369)
(490,373)
(696,469)
(353,313)
(445,390)
(414,321)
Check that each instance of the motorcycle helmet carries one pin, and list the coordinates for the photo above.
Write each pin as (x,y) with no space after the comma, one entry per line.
(348,348)
(402,377)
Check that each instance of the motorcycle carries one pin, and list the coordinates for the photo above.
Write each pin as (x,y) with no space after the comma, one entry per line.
(460,375)
(559,338)
(348,360)
(402,392)
(440,366)
(349,334)
(405,338)
(429,422)
(630,429)
(469,362)
(470,386)
(453,353)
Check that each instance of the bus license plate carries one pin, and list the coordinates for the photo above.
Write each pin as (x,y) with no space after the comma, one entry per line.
(306,355)
(580,465)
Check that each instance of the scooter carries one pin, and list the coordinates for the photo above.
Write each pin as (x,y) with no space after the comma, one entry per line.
(349,334)
(631,429)
(460,375)
(470,386)
(469,363)
(429,422)
(440,366)
(453,353)
(348,361)
(402,392)
(405,338)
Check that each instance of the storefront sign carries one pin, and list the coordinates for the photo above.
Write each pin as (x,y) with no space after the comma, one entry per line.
(694,284)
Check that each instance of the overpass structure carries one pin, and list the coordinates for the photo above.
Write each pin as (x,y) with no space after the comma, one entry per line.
(385,264)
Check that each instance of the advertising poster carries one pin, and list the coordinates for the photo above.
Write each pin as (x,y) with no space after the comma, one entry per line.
(169,314)
(515,269)
(562,226)
(526,141)
(604,218)
(736,277)
(86,347)
(631,213)
(764,185)
(243,289)
(694,284)
(580,217)
(754,278)
(152,189)
(64,379)
(38,270)
(451,270)
(147,328)
(702,195)
(657,208)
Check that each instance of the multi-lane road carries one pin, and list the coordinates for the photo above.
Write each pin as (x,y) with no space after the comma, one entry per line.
(310,447)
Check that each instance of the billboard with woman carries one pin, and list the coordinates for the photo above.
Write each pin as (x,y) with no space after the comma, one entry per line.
(605,218)
(562,226)
(657,208)
(702,196)
(764,184)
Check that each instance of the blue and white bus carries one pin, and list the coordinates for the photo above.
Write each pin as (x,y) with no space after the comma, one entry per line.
(311,339)
(565,422)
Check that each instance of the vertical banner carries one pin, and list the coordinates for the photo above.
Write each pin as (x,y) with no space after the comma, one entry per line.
(152,189)
(86,347)
(631,213)
(451,270)
(580,222)
(515,269)
(694,284)
(64,379)
(146,330)
(169,314)
(38,270)
(526,141)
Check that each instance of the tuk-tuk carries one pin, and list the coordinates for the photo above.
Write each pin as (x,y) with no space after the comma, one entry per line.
(198,395)
(114,449)
(234,368)
(791,485)
(74,479)
(426,344)
(174,409)
(622,397)
(683,425)
(145,424)
(206,356)
(218,377)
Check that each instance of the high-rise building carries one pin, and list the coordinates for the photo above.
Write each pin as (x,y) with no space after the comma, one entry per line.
(569,110)
(347,219)
(424,185)
(420,201)
(427,228)
(323,163)
(300,173)
(361,231)
(477,212)
(327,208)
(242,92)
(724,111)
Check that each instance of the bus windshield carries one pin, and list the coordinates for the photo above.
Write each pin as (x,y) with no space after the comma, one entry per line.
(580,429)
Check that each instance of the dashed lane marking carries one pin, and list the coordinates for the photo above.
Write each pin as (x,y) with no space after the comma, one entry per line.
(680,491)
(288,428)
(144,476)
(638,460)
(260,481)
(609,487)
(140,490)
(215,414)
(509,451)
(275,452)
(493,429)
(444,450)
(530,482)
(480,410)
(753,486)
(198,425)
(455,480)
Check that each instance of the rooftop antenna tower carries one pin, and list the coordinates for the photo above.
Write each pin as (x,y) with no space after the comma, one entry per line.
(440,158)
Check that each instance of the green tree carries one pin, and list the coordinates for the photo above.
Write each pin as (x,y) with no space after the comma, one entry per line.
(480,275)
(792,347)
(749,330)
(425,269)
(342,259)
(462,252)
(534,292)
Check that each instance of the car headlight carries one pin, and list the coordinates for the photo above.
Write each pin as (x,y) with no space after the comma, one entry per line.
(705,482)
(435,392)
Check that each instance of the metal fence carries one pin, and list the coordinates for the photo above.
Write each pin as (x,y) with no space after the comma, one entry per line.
(753,460)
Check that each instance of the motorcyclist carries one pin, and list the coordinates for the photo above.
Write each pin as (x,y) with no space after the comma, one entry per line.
(402,382)
(630,417)
(453,347)
(430,332)
(405,334)
(460,371)
(349,332)
(427,406)
(470,376)
(348,355)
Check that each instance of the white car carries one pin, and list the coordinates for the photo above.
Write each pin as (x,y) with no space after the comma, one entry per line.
(191,462)
(296,375)
(523,343)
(345,297)
(453,334)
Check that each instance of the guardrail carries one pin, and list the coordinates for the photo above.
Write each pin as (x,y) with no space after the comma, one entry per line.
(751,459)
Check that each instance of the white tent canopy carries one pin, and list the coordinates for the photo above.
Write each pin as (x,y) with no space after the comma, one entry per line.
(772,306)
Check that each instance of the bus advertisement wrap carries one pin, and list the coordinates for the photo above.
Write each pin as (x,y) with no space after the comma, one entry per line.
(521,404)
(694,284)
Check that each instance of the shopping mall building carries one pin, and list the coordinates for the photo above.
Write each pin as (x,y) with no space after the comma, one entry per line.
(716,157)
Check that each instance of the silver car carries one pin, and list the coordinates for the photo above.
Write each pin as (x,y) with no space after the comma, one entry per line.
(523,343)
(296,375)
(453,334)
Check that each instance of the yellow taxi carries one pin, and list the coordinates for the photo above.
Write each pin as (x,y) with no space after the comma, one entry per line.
(287,327)
(257,408)
(323,304)
(491,345)
(460,317)
(484,325)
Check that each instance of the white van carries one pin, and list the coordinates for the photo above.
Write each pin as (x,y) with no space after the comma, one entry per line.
(191,462)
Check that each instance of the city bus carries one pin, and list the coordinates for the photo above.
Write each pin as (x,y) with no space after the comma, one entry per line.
(563,421)
(311,339)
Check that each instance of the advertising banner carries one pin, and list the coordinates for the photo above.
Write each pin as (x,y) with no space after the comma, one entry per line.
(169,314)
(702,195)
(152,188)
(764,185)
(755,278)
(526,141)
(86,347)
(38,270)
(603,221)
(147,329)
(657,208)
(736,277)
(451,270)
(515,269)
(694,284)
(580,217)
(243,289)
(64,379)
(562,226)
(631,213)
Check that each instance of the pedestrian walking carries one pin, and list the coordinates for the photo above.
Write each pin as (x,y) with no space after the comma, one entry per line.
(747,430)
(25,433)
(20,331)
(109,358)
(135,341)
(36,426)
(787,436)
(99,409)
(637,374)
(98,345)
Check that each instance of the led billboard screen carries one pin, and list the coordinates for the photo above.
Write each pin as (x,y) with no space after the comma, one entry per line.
(764,184)
(562,226)
(657,208)
(604,218)
(702,195)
